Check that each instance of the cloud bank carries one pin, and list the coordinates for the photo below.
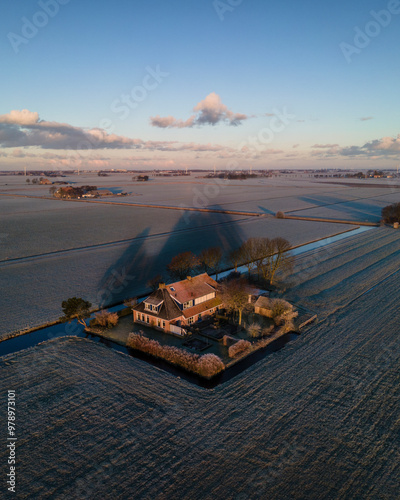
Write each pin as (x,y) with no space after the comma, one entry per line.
(21,129)
(387,147)
(209,111)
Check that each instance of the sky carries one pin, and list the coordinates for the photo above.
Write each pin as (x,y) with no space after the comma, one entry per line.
(196,84)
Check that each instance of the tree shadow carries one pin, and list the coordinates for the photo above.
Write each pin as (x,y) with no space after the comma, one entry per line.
(266,210)
(148,255)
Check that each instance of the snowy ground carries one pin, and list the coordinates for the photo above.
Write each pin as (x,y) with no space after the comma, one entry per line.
(318,419)
(51,250)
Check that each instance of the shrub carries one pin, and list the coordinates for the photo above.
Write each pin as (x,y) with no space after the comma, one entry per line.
(130,302)
(280,215)
(279,310)
(125,312)
(254,330)
(207,365)
(287,320)
(238,348)
(391,213)
(106,319)
(262,343)
(278,307)
(267,331)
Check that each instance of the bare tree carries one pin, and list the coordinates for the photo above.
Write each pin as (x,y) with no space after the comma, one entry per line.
(262,249)
(278,259)
(236,257)
(235,296)
(210,260)
(154,282)
(249,253)
(182,265)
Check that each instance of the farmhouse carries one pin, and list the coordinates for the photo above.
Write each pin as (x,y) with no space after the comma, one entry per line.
(173,307)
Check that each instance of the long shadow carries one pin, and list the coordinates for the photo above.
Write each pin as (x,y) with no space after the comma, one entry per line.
(148,256)
(118,281)
(266,210)
(358,209)
(359,206)
(320,201)
(196,231)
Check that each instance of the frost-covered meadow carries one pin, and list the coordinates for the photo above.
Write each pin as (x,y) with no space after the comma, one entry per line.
(110,273)
(318,419)
(52,249)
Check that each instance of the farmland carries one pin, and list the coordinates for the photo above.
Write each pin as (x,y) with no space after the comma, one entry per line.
(318,419)
(52,249)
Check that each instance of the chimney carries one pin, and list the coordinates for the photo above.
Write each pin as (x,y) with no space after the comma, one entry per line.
(161,286)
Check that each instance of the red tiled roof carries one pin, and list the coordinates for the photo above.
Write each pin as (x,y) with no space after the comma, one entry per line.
(193,288)
(200,308)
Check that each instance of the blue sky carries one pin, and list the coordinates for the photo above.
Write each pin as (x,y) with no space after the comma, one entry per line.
(224,71)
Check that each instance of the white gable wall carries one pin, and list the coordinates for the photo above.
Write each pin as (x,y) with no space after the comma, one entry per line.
(204,298)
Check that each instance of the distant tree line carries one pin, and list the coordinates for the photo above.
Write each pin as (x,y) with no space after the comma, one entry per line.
(72,192)
(233,175)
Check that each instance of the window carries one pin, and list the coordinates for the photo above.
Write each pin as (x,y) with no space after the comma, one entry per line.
(142,317)
(148,319)
(191,320)
(163,324)
(158,323)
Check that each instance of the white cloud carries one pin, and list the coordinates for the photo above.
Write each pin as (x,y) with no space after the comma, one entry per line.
(23,129)
(20,117)
(209,111)
(387,147)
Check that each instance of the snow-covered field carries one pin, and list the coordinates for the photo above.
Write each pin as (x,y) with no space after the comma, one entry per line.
(318,419)
(261,195)
(326,280)
(51,249)
(110,273)
(105,253)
